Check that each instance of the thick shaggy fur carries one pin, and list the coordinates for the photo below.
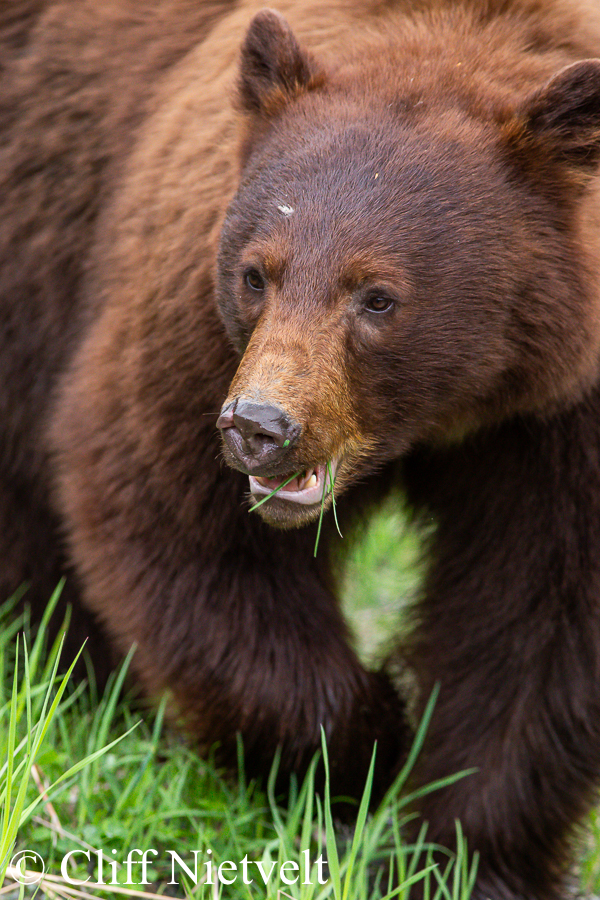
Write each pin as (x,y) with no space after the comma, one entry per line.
(438,154)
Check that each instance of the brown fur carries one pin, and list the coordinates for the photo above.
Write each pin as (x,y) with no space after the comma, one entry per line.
(438,153)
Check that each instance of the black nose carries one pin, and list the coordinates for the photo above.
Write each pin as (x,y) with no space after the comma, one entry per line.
(258,434)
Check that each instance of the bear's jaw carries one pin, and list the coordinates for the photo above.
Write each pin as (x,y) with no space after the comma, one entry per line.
(308,487)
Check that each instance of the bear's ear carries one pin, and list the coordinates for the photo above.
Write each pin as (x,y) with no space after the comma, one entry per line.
(273,67)
(563,117)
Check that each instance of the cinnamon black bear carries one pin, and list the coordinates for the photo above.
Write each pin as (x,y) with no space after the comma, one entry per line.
(361,246)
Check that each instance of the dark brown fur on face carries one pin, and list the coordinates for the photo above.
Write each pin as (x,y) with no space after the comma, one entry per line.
(386,248)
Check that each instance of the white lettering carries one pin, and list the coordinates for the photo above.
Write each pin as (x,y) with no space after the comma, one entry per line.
(265,878)
(283,874)
(245,876)
(193,875)
(63,867)
(232,868)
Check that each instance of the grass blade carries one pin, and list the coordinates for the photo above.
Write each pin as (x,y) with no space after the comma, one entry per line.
(275,491)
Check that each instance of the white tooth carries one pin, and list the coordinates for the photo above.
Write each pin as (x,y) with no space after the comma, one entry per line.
(312,482)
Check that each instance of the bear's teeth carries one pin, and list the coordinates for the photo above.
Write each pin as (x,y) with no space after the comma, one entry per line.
(304,481)
(307,479)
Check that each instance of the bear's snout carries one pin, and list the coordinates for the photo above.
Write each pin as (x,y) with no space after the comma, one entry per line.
(258,434)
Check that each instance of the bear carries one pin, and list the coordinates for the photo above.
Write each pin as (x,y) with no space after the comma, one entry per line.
(331,252)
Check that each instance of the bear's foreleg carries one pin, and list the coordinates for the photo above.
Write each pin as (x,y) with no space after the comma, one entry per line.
(509,626)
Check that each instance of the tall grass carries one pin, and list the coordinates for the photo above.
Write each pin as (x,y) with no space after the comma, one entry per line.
(79,776)
(27,711)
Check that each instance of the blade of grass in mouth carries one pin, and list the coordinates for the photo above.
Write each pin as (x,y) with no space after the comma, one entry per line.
(297,475)
(275,491)
(331,483)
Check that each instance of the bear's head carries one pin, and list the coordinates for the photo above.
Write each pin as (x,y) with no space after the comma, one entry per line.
(399,266)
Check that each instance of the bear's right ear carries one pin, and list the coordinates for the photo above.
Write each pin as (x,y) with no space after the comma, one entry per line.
(274,69)
(563,117)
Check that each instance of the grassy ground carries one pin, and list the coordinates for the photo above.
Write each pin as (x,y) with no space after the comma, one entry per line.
(150,793)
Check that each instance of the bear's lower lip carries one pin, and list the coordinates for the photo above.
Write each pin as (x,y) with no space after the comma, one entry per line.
(307,487)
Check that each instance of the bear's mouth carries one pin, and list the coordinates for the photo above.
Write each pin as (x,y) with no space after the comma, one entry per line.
(307,486)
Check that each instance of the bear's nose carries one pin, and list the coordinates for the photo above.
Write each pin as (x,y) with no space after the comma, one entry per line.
(258,434)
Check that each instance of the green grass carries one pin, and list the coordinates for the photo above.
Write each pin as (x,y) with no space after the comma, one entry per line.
(382,568)
(149,791)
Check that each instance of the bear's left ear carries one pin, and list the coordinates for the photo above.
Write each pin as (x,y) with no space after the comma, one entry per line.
(273,67)
(563,117)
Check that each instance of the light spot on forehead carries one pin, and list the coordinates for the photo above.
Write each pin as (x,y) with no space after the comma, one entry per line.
(286,210)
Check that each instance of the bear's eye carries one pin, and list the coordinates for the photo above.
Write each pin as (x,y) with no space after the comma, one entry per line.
(378,304)
(254,280)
